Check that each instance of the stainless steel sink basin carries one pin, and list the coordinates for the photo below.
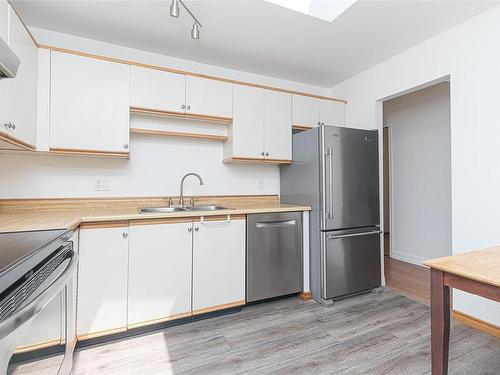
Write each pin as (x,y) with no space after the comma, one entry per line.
(150,210)
(159,210)
(209,207)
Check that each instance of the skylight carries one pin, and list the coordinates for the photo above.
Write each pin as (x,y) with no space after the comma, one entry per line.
(326,10)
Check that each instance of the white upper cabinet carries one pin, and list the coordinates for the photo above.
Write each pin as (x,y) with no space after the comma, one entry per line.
(159,272)
(278,125)
(102,281)
(246,133)
(89,105)
(218,265)
(18,96)
(209,97)
(4,34)
(332,112)
(305,111)
(157,90)
(309,112)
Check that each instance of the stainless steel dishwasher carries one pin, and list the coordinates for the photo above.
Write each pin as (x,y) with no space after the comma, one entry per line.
(274,255)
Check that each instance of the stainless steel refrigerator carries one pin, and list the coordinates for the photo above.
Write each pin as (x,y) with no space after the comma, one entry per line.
(335,170)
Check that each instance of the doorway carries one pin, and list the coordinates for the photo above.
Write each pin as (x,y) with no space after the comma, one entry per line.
(416,186)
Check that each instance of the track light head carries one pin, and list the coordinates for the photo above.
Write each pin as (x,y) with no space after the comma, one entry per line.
(195,31)
(174,8)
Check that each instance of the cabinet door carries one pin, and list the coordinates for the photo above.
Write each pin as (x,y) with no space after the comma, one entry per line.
(278,125)
(208,97)
(247,131)
(102,281)
(89,107)
(21,91)
(218,265)
(159,273)
(157,90)
(4,24)
(332,112)
(305,111)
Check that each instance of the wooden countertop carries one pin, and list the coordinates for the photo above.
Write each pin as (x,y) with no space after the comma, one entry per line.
(12,220)
(480,265)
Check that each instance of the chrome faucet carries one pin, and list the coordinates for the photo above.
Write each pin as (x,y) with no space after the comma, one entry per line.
(181,199)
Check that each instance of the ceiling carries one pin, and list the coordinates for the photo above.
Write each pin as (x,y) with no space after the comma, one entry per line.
(258,36)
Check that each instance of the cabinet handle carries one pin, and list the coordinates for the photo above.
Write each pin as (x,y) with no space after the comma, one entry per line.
(183,106)
(262,153)
(125,146)
(190,229)
(188,107)
(13,126)
(267,153)
(10,125)
(196,229)
(319,123)
(125,234)
(322,123)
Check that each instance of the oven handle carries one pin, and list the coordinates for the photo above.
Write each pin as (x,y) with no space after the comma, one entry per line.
(32,308)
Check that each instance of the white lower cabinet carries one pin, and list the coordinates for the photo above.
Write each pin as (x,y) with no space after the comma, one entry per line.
(159,272)
(218,264)
(102,281)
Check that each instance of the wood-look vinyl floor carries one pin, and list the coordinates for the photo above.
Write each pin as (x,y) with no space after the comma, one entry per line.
(367,334)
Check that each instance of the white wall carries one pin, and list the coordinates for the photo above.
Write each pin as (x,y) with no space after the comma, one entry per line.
(419,126)
(156,164)
(469,54)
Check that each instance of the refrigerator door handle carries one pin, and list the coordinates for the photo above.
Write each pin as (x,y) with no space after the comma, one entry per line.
(329,155)
(353,235)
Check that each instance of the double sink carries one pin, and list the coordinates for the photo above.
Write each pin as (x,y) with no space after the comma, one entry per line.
(181,208)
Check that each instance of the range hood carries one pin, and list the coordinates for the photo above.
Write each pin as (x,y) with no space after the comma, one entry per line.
(9,62)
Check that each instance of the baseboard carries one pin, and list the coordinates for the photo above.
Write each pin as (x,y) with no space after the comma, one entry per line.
(408,258)
(476,323)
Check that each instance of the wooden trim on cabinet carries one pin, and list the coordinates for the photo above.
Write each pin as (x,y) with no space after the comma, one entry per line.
(104,224)
(220,217)
(16,142)
(237,159)
(160,320)
(165,133)
(177,71)
(42,345)
(218,307)
(163,220)
(25,27)
(76,151)
(93,335)
(182,115)
(476,323)
(302,127)
(305,296)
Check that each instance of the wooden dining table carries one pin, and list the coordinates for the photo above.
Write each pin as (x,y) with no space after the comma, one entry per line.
(476,272)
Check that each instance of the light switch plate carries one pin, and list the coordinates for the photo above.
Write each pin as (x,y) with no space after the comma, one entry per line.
(101,183)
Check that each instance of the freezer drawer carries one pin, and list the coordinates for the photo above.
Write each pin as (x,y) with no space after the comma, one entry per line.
(274,255)
(352,263)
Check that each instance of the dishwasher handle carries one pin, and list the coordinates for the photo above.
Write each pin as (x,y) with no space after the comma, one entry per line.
(275,223)
(353,235)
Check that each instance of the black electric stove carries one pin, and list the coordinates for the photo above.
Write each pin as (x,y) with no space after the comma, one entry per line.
(21,252)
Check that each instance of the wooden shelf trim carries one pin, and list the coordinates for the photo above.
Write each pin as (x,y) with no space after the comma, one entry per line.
(160,320)
(301,127)
(165,133)
(184,72)
(16,142)
(42,345)
(182,115)
(242,160)
(93,335)
(75,151)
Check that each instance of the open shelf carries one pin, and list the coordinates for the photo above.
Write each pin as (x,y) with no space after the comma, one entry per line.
(182,115)
(165,133)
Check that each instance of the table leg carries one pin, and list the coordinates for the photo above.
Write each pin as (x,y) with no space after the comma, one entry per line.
(440,323)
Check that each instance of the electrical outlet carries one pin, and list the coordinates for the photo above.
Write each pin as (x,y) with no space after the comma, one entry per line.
(260,185)
(101,183)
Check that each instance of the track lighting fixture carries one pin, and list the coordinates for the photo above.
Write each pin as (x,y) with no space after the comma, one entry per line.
(174,12)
